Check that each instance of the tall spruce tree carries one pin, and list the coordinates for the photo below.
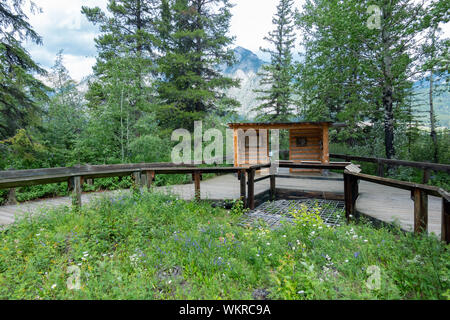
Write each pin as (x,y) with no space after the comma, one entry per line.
(435,66)
(65,116)
(193,41)
(332,77)
(277,104)
(121,92)
(20,90)
(356,71)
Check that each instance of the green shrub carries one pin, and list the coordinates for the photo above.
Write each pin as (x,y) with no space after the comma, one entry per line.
(152,246)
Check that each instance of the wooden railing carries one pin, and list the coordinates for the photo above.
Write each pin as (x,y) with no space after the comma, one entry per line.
(382,163)
(419,194)
(144,174)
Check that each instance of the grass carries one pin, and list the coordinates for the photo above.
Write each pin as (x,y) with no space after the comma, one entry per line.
(152,246)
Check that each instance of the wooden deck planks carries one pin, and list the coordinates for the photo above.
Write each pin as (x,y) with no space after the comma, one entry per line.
(381,202)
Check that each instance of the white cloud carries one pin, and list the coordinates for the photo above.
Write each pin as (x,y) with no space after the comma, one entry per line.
(252,21)
(62,26)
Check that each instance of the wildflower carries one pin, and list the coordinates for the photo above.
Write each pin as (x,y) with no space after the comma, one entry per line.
(270,255)
(268,243)
(54,286)
(301,292)
(346,260)
(366,240)
(38,234)
(284,236)
(356,255)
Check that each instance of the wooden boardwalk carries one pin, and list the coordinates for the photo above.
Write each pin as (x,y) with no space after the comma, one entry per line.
(381,202)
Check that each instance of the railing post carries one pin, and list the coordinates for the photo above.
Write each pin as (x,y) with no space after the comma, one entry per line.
(426,176)
(137,179)
(272,187)
(11,199)
(350,194)
(420,211)
(197,177)
(445,223)
(380,168)
(143,181)
(75,184)
(150,177)
(243,185)
(251,189)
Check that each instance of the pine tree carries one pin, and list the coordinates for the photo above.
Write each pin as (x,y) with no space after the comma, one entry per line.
(278,75)
(65,116)
(121,92)
(355,72)
(20,91)
(193,44)
(332,78)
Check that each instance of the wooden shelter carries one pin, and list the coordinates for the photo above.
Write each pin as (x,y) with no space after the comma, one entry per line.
(308,141)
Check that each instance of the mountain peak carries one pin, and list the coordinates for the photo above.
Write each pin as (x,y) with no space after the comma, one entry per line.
(246,61)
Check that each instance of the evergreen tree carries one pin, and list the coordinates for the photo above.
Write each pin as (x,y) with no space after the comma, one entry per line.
(65,116)
(356,72)
(121,92)
(435,62)
(278,75)
(20,91)
(193,44)
(333,79)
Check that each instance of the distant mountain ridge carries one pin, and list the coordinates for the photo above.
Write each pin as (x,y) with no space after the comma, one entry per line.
(248,64)
(246,69)
(247,61)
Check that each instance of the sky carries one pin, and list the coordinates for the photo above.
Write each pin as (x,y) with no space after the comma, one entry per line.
(63,27)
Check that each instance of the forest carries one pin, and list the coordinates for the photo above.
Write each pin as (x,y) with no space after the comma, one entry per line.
(159,67)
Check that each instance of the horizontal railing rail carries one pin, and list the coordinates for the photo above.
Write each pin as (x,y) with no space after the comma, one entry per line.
(381,163)
(393,162)
(419,194)
(144,174)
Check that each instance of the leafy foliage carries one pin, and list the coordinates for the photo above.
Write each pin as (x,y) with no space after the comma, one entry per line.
(152,246)
(278,75)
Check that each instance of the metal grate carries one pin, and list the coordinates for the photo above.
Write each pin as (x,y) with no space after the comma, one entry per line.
(273,213)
